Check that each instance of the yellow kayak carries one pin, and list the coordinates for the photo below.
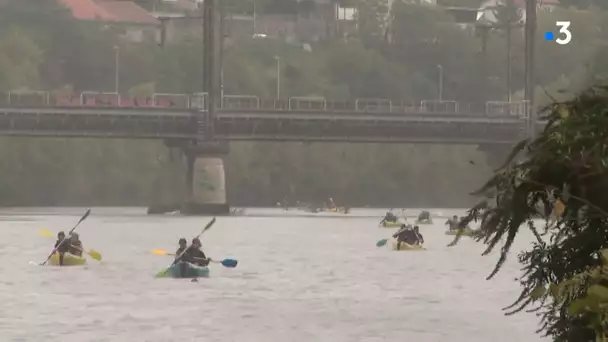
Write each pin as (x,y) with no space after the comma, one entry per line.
(68,260)
(342,210)
(466,232)
(386,224)
(406,247)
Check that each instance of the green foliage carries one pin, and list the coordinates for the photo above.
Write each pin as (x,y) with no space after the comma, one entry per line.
(593,303)
(20,59)
(568,161)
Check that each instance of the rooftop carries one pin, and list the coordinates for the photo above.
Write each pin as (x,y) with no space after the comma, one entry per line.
(109,10)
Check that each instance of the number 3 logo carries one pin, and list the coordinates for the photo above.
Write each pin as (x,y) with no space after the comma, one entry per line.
(564,25)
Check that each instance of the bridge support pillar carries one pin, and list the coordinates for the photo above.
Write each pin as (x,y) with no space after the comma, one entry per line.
(206,180)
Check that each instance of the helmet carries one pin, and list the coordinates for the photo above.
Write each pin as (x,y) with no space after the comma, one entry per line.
(196,240)
(183,241)
(61,233)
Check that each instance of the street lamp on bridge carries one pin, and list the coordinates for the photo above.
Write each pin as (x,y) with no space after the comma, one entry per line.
(278,59)
(440,67)
(116,68)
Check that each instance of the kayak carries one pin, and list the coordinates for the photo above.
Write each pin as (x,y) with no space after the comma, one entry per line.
(405,246)
(342,210)
(425,221)
(386,224)
(466,232)
(68,260)
(192,271)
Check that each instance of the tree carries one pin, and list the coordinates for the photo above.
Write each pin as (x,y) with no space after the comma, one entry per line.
(566,164)
(20,59)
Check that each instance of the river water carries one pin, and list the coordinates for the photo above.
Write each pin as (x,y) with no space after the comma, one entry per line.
(299,278)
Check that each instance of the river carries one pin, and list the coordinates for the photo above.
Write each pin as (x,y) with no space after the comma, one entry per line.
(300,278)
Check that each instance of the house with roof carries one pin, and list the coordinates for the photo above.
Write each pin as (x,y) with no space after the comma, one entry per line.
(130,20)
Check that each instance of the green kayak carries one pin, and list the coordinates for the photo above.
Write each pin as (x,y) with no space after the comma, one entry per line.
(192,271)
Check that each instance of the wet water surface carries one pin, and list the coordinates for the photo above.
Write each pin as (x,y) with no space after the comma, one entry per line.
(298,279)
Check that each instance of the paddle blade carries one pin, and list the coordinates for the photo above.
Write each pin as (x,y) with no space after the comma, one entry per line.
(230,263)
(94,254)
(207,226)
(381,243)
(85,215)
(46,233)
(160,252)
(162,273)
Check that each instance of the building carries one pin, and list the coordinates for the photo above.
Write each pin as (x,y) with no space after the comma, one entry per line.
(487,9)
(130,20)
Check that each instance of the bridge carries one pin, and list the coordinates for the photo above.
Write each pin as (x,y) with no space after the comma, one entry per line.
(247,118)
(185,122)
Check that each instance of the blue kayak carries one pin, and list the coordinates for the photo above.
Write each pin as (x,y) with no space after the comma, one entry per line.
(191,271)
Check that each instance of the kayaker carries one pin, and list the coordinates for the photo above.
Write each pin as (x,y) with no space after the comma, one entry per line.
(182,256)
(183,244)
(419,237)
(407,235)
(462,224)
(424,216)
(332,204)
(61,246)
(196,254)
(390,217)
(75,245)
(453,222)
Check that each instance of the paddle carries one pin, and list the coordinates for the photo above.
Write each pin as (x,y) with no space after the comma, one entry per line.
(161,273)
(68,236)
(92,253)
(230,263)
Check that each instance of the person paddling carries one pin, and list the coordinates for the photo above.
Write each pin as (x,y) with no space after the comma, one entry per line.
(75,246)
(182,257)
(406,235)
(419,237)
(390,217)
(61,246)
(424,216)
(453,222)
(196,254)
(183,244)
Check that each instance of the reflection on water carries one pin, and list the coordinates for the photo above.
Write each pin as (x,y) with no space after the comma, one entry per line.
(298,279)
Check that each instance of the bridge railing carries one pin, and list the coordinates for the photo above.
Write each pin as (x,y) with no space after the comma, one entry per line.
(439,106)
(240,102)
(99,99)
(198,100)
(307,103)
(39,98)
(374,105)
(170,100)
(505,108)
(251,102)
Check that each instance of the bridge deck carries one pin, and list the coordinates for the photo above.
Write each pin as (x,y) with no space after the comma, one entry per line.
(262,124)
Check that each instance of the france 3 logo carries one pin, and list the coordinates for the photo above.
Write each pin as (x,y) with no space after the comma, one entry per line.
(564,35)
